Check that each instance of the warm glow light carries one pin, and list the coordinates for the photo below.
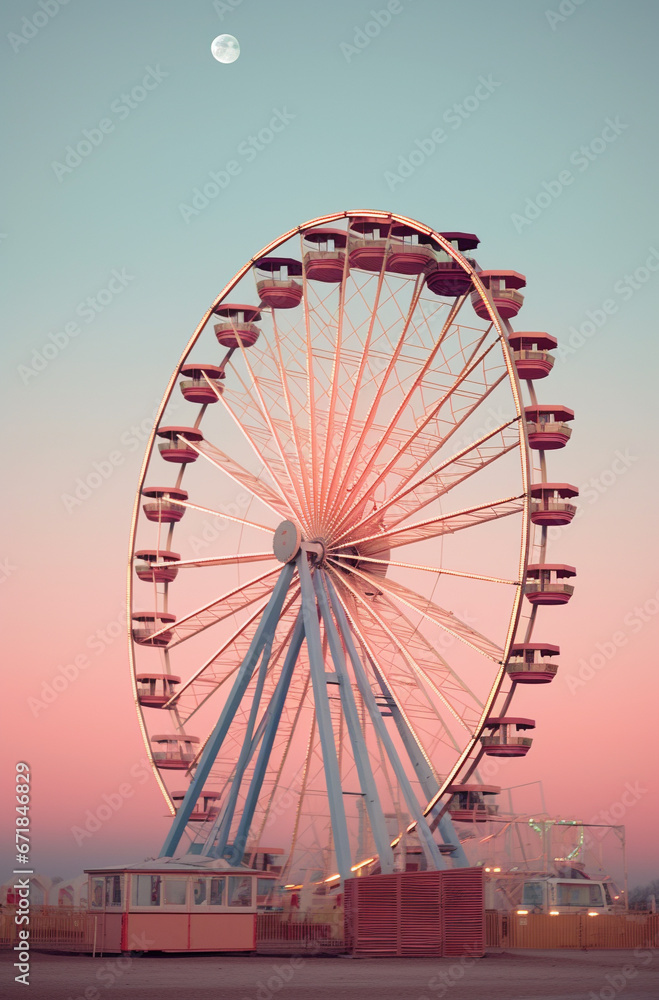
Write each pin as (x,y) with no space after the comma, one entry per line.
(593,913)
(553,913)
(355,868)
(332,878)
(292,887)
(496,869)
(522,913)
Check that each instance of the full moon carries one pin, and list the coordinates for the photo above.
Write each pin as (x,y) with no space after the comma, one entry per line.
(225,48)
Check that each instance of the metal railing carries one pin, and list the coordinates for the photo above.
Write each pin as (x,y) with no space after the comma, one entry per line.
(314,932)
(52,928)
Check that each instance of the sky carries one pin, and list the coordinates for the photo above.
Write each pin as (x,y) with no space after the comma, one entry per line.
(533,126)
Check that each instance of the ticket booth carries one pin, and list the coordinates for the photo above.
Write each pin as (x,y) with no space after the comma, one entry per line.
(176,905)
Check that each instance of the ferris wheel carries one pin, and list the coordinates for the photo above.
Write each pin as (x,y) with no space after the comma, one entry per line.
(333,602)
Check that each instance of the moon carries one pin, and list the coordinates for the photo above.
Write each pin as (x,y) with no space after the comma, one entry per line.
(225,48)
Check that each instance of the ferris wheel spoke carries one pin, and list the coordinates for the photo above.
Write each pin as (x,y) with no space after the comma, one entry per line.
(423,491)
(275,501)
(215,611)
(222,515)
(303,788)
(272,466)
(453,312)
(375,402)
(294,427)
(311,401)
(176,697)
(444,524)
(457,424)
(337,477)
(446,620)
(434,443)
(238,557)
(235,647)
(426,742)
(293,478)
(414,665)
(438,571)
(334,391)
(386,434)
(419,495)
(465,704)
(288,744)
(404,449)
(423,685)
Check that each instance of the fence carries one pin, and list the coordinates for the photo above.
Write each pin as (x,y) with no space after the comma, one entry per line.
(52,928)
(571,930)
(65,929)
(313,933)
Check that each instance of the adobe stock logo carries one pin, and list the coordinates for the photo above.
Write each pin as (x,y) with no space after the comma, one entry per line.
(32,25)
(92,138)
(454,117)
(631,795)
(363,36)
(88,309)
(581,158)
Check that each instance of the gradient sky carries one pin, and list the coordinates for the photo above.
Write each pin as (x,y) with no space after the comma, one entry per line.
(579,222)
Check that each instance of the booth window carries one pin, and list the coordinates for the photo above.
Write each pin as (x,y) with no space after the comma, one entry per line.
(146,890)
(174,894)
(113,890)
(216,897)
(199,891)
(240,891)
(98,886)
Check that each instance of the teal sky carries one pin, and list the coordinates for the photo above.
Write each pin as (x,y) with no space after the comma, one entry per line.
(507,165)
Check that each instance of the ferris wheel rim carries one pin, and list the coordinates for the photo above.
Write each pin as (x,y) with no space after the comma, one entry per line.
(502,328)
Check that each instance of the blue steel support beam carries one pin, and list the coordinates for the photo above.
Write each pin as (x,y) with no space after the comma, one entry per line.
(211,835)
(424,773)
(244,756)
(360,752)
(430,848)
(273,713)
(324,718)
(266,628)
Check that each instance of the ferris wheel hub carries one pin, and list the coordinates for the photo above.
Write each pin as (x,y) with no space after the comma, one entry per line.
(286,541)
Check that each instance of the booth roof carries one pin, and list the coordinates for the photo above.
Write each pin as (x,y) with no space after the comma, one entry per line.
(186,863)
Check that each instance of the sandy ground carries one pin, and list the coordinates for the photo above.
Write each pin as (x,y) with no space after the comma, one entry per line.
(499,976)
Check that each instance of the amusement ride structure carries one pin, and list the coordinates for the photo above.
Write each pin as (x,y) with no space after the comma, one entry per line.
(333,598)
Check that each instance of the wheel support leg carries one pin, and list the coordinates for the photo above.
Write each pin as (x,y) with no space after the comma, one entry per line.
(366,780)
(324,718)
(273,714)
(426,778)
(265,630)
(244,757)
(430,848)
